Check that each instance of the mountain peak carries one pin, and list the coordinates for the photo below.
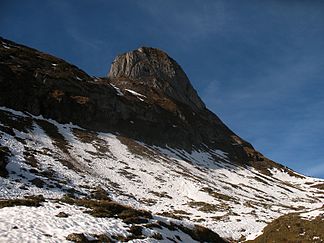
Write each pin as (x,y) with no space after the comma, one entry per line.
(70,142)
(152,68)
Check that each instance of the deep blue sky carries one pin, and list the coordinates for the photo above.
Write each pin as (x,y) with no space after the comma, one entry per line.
(259,65)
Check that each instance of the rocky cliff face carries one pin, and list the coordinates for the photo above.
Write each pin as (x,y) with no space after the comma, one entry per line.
(155,70)
(146,96)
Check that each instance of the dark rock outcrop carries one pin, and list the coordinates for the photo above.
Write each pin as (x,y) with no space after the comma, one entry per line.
(80,238)
(4,153)
(167,111)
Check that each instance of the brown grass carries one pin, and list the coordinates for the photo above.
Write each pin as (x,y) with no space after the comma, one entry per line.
(57,94)
(217,195)
(291,228)
(99,194)
(127,174)
(148,201)
(107,208)
(79,238)
(138,149)
(319,186)
(85,136)
(203,206)
(92,137)
(173,215)
(31,201)
(160,194)
(202,234)
(59,141)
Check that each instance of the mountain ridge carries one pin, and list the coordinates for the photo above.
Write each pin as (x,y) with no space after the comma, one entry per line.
(66,76)
(54,88)
(65,134)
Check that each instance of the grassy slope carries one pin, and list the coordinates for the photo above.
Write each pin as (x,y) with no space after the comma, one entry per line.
(291,228)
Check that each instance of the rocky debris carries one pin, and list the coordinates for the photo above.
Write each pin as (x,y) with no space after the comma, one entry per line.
(153,68)
(62,215)
(147,97)
(75,237)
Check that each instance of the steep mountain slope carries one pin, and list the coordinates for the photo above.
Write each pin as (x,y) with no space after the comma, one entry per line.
(141,137)
(55,89)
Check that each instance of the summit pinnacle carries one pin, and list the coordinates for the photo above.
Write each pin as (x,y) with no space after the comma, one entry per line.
(154,69)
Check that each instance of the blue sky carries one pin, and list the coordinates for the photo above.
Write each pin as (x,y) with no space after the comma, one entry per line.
(259,65)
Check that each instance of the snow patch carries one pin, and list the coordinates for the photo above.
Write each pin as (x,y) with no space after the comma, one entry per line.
(313,214)
(139,96)
(119,93)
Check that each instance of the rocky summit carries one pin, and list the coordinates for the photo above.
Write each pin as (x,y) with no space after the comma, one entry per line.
(134,157)
(161,107)
(152,70)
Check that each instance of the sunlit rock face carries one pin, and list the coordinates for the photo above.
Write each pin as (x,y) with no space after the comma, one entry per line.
(153,68)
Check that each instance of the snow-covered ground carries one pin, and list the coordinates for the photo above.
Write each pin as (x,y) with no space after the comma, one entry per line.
(199,187)
(312,214)
(41,224)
